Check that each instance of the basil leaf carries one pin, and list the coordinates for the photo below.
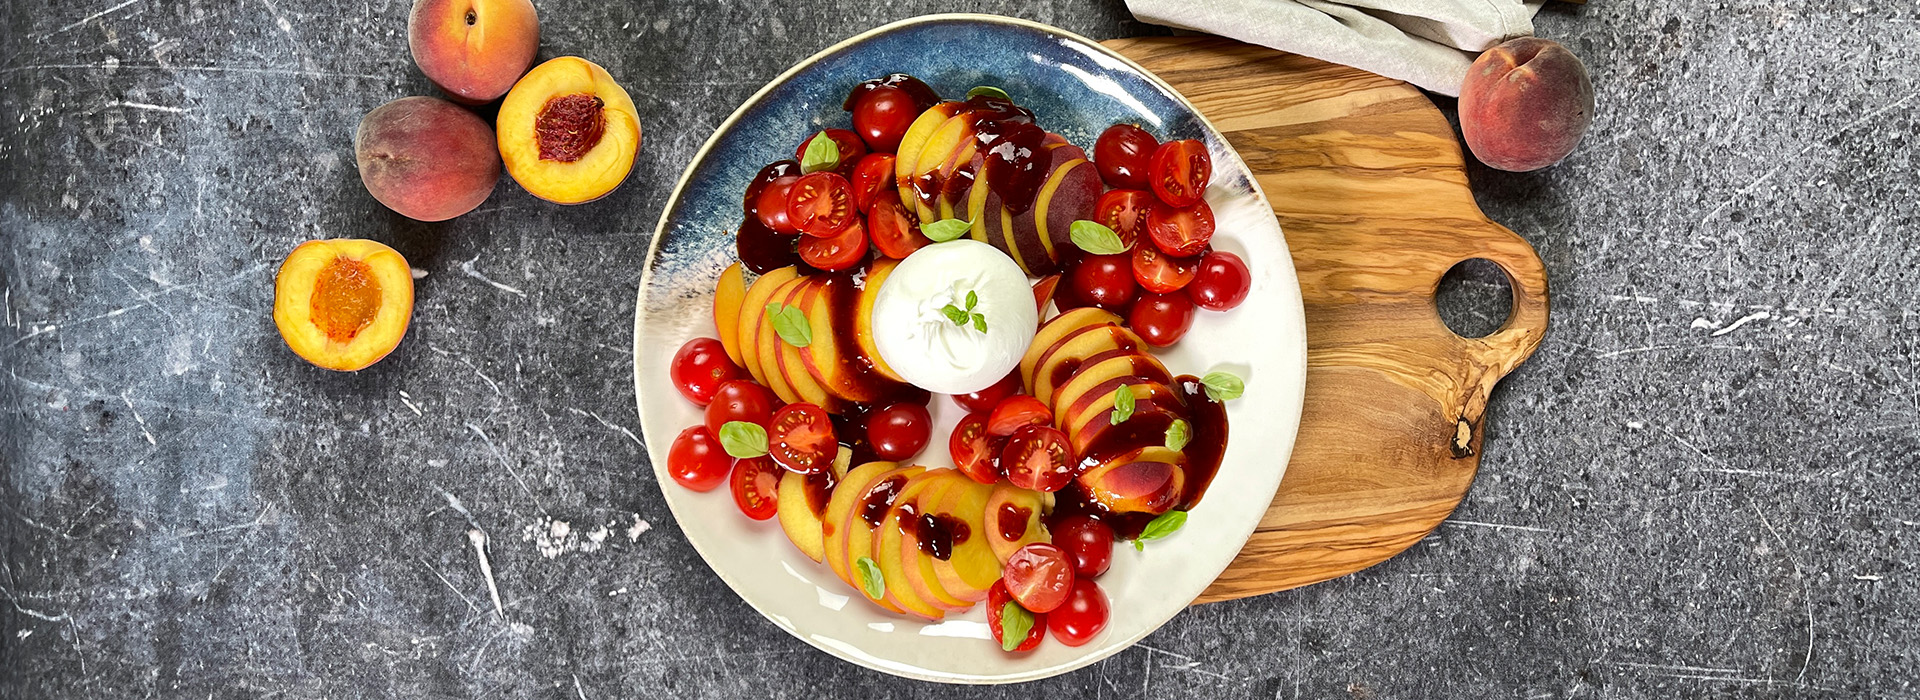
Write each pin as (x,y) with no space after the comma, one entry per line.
(954,314)
(871,578)
(743,440)
(1096,239)
(1122,404)
(1178,433)
(822,154)
(989,91)
(1167,524)
(972,300)
(1223,386)
(980,322)
(945,229)
(1015,623)
(791,323)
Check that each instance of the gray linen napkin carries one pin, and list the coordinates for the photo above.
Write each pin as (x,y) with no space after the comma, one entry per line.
(1429,43)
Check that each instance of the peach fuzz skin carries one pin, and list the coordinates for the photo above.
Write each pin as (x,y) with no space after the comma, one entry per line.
(473,50)
(426,158)
(1525,104)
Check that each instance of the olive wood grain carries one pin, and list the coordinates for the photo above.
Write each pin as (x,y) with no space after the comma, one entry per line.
(1370,187)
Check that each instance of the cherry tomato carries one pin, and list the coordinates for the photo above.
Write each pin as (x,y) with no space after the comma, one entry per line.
(975,453)
(700,368)
(984,400)
(1124,211)
(851,149)
(1124,153)
(1016,412)
(882,116)
(1087,541)
(1105,281)
(1222,282)
(1180,171)
(1037,457)
(1161,319)
(770,206)
(762,249)
(872,177)
(740,400)
(821,204)
(842,251)
(898,431)
(1082,617)
(800,438)
(756,487)
(1039,576)
(774,171)
(997,601)
(696,459)
(1181,232)
(1161,273)
(893,228)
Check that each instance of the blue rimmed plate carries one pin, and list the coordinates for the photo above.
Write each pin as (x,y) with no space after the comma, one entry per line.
(1076,88)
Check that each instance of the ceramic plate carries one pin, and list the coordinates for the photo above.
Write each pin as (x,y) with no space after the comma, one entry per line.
(1076,88)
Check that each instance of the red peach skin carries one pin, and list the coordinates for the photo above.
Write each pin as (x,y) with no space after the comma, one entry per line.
(1525,104)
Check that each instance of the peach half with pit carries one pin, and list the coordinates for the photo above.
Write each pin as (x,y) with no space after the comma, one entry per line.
(426,158)
(343,304)
(568,133)
(473,50)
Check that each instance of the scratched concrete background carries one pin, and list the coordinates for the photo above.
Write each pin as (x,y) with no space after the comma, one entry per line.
(1704,485)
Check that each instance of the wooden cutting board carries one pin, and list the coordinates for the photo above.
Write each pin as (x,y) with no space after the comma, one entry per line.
(1369,183)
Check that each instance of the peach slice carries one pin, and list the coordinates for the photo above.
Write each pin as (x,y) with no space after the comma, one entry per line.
(473,50)
(568,133)
(834,526)
(1146,480)
(863,317)
(1013,519)
(752,310)
(728,295)
(1053,331)
(1102,368)
(886,554)
(836,365)
(915,139)
(793,363)
(802,506)
(972,567)
(867,511)
(903,538)
(770,343)
(343,304)
(937,152)
(891,547)
(1060,364)
(427,159)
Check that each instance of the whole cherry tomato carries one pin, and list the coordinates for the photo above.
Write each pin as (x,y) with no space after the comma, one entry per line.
(997,601)
(1221,283)
(882,116)
(770,206)
(1180,171)
(756,487)
(1039,576)
(696,459)
(774,171)
(1087,541)
(1124,211)
(1162,273)
(1037,457)
(821,204)
(849,145)
(1181,232)
(975,453)
(1016,412)
(898,431)
(800,438)
(1124,153)
(740,400)
(1105,281)
(984,400)
(1082,617)
(872,177)
(1161,319)
(700,367)
(842,251)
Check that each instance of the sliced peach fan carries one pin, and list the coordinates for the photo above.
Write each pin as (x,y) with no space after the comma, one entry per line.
(567,132)
(343,304)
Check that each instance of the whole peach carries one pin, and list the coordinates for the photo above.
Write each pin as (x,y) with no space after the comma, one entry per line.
(426,158)
(473,50)
(1525,104)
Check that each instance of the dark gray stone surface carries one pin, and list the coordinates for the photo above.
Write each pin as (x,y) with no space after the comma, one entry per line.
(1704,485)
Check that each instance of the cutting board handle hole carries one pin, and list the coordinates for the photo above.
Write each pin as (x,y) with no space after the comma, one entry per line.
(1474,298)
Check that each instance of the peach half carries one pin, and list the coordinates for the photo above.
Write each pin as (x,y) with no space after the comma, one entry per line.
(473,50)
(343,304)
(568,133)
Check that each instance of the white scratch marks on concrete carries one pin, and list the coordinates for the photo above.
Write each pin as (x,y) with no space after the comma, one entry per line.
(137,418)
(1501,526)
(408,400)
(479,541)
(90,18)
(609,424)
(509,466)
(467,267)
(1743,320)
(483,377)
(148,107)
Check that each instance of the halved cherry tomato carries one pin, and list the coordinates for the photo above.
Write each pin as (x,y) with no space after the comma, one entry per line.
(997,601)
(1222,282)
(770,207)
(898,431)
(1181,232)
(851,149)
(696,459)
(893,228)
(700,367)
(1040,576)
(820,204)
(1082,617)
(1016,412)
(740,400)
(756,487)
(842,251)
(872,177)
(1180,172)
(975,453)
(800,438)
(1037,457)
(1087,541)
(1124,211)
(1105,281)
(1161,273)
(1124,154)
(984,400)
(1161,319)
